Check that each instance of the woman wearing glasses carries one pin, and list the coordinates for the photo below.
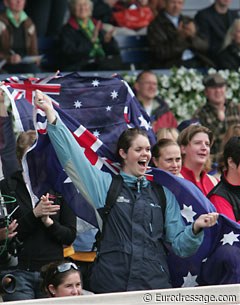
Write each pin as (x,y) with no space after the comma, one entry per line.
(61,279)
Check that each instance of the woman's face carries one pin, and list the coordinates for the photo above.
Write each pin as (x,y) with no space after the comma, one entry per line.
(136,160)
(82,9)
(71,286)
(197,151)
(15,6)
(170,159)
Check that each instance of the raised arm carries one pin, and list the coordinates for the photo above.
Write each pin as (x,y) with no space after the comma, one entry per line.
(90,181)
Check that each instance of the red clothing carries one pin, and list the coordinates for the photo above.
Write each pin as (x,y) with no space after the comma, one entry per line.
(167,120)
(223,206)
(206,182)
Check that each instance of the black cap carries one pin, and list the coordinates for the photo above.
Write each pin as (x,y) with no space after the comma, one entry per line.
(214,80)
(184,124)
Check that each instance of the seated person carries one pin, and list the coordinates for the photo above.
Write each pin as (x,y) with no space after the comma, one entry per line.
(174,39)
(213,23)
(146,90)
(83,44)
(228,57)
(18,39)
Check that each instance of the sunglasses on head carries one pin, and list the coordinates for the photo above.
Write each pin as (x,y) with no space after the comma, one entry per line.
(65,267)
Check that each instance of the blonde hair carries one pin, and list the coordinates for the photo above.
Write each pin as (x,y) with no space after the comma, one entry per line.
(167,133)
(24,140)
(230,33)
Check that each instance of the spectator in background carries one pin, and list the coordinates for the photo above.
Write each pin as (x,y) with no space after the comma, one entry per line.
(17,39)
(225,195)
(213,23)
(146,89)
(174,39)
(218,114)
(83,43)
(166,155)
(48,15)
(229,56)
(43,227)
(167,133)
(61,279)
(195,142)
(102,10)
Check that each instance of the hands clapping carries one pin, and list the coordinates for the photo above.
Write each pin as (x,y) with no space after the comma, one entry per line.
(45,209)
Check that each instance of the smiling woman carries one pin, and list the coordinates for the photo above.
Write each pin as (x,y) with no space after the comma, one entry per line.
(61,279)
(195,142)
(166,155)
(131,254)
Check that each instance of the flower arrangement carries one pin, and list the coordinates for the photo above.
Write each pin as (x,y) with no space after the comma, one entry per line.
(183,89)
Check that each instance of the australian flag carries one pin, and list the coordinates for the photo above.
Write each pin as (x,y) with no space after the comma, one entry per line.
(97,110)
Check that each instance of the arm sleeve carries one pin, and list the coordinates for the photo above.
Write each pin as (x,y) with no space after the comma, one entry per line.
(184,242)
(88,179)
(64,229)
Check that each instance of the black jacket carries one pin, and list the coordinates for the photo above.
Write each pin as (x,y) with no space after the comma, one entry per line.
(229,58)
(41,245)
(213,26)
(75,47)
(167,45)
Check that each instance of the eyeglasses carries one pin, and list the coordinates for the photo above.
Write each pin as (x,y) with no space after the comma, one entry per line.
(65,267)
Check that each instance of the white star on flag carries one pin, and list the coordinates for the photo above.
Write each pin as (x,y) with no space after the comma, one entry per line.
(96,133)
(108,108)
(189,280)
(95,83)
(188,213)
(114,94)
(77,104)
(230,238)
(143,122)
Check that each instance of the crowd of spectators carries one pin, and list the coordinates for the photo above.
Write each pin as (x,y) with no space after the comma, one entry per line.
(200,41)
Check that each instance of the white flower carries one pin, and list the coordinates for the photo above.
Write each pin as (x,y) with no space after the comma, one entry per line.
(183,89)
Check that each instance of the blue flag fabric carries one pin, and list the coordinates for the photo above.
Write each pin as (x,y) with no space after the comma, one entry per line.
(97,110)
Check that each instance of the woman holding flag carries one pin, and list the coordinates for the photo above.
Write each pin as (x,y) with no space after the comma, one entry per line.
(132,252)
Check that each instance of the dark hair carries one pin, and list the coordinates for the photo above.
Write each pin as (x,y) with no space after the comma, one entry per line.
(126,138)
(51,275)
(156,149)
(140,75)
(232,150)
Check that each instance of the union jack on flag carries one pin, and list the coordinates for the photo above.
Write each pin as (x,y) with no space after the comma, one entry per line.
(25,87)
